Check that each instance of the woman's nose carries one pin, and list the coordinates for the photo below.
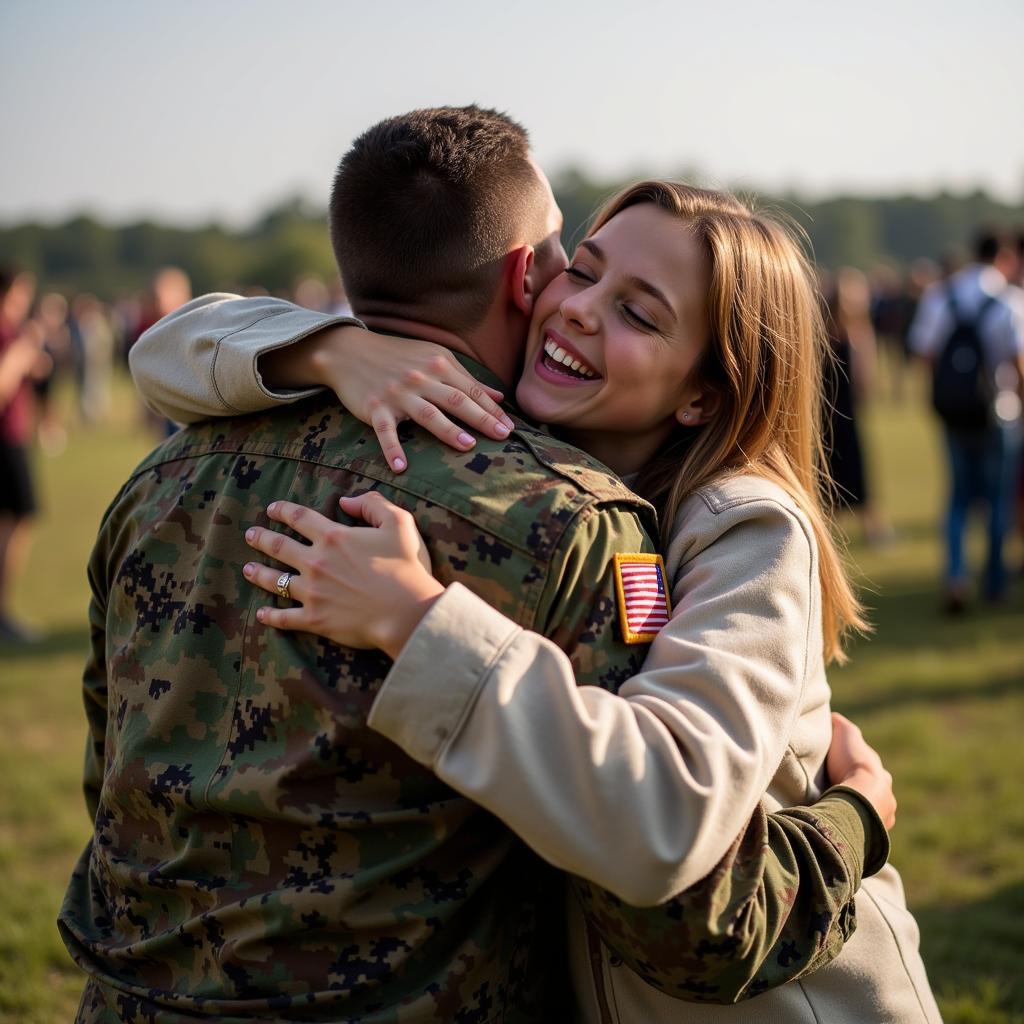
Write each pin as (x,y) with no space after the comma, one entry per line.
(580,310)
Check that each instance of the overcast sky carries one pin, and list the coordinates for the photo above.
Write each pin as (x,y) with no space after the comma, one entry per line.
(190,110)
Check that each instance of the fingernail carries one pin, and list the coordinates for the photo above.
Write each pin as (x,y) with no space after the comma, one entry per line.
(250,534)
(261,614)
(398,465)
(509,422)
(272,507)
(248,568)
(466,440)
(500,428)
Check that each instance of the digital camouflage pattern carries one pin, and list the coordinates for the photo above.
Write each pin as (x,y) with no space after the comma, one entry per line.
(259,853)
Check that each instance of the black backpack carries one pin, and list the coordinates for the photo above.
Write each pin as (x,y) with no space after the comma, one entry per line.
(963,388)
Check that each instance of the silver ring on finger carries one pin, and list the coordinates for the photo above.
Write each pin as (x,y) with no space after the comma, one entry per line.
(283,583)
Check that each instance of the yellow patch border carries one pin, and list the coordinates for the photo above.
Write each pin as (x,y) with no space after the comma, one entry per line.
(620,592)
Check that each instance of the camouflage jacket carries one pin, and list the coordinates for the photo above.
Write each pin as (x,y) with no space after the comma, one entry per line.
(258,851)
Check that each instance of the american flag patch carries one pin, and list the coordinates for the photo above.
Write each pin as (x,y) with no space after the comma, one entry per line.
(644,605)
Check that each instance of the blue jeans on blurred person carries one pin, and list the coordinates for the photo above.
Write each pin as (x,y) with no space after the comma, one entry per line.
(983,465)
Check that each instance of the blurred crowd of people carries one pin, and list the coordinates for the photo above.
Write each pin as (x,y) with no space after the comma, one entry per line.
(963,320)
(883,320)
(46,338)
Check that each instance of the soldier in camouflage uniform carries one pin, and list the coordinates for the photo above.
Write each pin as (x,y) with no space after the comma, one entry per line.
(260,853)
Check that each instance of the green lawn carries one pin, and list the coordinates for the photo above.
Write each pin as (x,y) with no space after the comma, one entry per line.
(943,701)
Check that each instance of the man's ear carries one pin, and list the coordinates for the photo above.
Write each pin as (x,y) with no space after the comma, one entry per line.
(521,286)
(698,407)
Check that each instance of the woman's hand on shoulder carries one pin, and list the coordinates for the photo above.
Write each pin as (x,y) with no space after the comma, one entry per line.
(360,586)
(384,380)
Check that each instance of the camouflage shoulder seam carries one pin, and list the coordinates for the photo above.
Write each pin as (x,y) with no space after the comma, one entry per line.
(572,502)
(166,453)
(580,469)
(579,480)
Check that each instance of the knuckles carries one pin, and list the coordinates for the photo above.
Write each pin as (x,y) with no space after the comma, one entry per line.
(319,568)
(332,537)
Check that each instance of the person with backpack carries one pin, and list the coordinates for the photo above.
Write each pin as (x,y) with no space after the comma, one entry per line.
(970,329)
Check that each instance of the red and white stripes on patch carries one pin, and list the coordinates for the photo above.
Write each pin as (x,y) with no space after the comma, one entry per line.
(643,596)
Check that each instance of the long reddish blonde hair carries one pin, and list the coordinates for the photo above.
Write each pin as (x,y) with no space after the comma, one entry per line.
(764,361)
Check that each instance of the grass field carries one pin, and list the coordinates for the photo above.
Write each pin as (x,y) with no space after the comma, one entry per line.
(943,701)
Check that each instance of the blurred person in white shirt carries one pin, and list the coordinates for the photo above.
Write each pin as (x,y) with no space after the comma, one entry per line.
(983,461)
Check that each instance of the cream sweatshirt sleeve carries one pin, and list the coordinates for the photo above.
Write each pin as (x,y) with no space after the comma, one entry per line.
(201,360)
(640,792)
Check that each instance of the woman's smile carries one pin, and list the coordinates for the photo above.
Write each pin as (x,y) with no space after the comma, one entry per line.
(559,362)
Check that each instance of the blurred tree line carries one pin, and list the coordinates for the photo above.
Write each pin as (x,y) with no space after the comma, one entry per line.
(844,230)
(291,240)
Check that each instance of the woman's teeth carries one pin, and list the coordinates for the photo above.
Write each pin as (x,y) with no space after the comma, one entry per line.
(557,354)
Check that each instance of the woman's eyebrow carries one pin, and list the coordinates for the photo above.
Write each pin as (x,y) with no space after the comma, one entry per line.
(636,282)
(655,293)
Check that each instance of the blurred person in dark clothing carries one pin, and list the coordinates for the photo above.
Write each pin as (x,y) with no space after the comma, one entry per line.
(983,450)
(848,380)
(22,358)
(891,313)
(894,299)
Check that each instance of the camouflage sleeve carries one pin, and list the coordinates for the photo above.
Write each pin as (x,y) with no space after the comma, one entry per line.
(578,611)
(778,906)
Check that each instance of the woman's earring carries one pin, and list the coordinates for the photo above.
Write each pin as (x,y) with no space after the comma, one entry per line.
(686,417)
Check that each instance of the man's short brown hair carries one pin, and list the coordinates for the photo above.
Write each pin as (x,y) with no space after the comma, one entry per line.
(424,208)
